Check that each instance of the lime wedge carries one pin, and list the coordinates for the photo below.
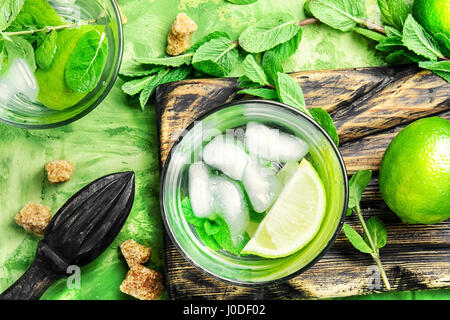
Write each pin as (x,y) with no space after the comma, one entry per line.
(295,217)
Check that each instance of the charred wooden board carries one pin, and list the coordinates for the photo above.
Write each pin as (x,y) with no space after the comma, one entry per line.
(370,106)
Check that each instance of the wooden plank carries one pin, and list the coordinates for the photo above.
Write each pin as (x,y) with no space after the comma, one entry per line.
(367,152)
(370,106)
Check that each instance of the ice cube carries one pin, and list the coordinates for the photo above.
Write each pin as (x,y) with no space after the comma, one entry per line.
(200,191)
(225,154)
(231,205)
(273,144)
(262,186)
(18,79)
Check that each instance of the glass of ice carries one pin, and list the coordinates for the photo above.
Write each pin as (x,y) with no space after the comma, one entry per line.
(28,101)
(200,146)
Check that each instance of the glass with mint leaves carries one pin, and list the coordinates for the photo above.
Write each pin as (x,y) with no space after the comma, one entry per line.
(58,59)
(254,192)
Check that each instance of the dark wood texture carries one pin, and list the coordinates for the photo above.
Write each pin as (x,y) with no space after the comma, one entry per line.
(370,106)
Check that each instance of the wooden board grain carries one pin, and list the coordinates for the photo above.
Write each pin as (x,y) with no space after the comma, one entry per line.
(370,106)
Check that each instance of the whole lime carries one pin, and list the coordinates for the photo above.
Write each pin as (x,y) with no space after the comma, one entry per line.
(433,15)
(415,172)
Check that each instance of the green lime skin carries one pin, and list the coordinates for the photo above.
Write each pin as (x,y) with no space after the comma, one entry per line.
(415,172)
(433,15)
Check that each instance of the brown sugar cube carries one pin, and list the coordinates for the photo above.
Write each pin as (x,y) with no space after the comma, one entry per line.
(179,38)
(34,218)
(134,252)
(142,283)
(59,170)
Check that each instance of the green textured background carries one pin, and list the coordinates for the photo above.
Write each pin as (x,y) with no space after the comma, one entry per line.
(117,136)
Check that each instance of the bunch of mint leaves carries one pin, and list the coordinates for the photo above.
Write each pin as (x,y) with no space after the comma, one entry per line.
(402,38)
(261,48)
(29,30)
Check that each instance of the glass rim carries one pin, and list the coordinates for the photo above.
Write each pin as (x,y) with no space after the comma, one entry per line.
(293,274)
(99,100)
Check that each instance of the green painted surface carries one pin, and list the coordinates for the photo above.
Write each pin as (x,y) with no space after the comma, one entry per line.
(118,136)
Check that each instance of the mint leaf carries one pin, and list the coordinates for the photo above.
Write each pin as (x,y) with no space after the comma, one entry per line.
(137,85)
(395,12)
(35,14)
(242,2)
(138,70)
(254,71)
(377,231)
(416,39)
(208,37)
(17,47)
(207,239)
(343,15)
(4,65)
(290,93)
(326,122)
(175,61)
(163,76)
(391,32)
(189,215)
(440,68)
(287,49)
(356,185)
(268,32)
(213,232)
(436,65)
(444,75)
(392,43)
(272,66)
(46,51)
(256,217)
(211,227)
(224,240)
(403,56)
(216,57)
(264,93)
(85,65)
(444,43)
(355,239)
(245,82)
(370,34)
(9,9)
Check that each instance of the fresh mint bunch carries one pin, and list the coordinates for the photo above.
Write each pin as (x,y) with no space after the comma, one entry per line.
(374,231)
(402,38)
(261,49)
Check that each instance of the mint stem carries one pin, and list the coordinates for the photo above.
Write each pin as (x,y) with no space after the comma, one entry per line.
(50,28)
(307,22)
(375,255)
(373,26)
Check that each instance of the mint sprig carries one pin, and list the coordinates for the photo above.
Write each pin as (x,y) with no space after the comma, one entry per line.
(374,231)
(403,39)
